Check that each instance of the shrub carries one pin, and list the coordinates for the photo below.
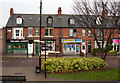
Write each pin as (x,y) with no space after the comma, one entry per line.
(109,47)
(70,64)
(112,51)
(95,50)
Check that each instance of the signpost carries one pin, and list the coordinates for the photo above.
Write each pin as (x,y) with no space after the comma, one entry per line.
(44,47)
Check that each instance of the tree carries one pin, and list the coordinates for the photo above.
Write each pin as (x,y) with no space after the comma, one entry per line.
(98,15)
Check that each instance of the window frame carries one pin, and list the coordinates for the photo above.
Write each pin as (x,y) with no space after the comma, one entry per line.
(19,20)
(36,31)
(83,32)
(72,32)
(30,33)
(49,31)
(89,33)
(15,36)
(99,33)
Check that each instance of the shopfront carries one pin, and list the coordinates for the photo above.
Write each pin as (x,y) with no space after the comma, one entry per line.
(71,46)
(19,47)
(116,44)
(49,42)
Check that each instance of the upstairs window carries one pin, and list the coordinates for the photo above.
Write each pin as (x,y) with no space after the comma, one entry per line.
(17,32)
(98,20)
(71,21)
(89,33)
(99,33)
(30,31)
(49,21)
(19,20)
(73,32)
(36,32)
(49,32)
(83,33)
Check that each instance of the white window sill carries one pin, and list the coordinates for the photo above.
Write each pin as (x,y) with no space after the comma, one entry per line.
(36,36)
(48,36)
(30,36)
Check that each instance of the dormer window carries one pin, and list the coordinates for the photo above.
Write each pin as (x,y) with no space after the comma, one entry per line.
(98,20)
(19,20)
(71,21)
(49,21)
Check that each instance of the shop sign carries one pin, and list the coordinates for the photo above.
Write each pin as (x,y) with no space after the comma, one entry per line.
(71,40)
(18,41)
(116,40)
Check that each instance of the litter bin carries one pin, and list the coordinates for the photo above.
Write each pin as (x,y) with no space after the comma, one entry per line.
(37,69)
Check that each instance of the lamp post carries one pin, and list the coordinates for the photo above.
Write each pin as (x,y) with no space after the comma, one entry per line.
(40,34)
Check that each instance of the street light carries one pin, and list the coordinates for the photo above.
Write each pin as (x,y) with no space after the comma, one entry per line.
(40,35)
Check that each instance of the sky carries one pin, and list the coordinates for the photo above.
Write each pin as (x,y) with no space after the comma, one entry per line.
(32,7)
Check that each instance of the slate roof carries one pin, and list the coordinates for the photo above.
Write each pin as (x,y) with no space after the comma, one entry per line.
(32,20)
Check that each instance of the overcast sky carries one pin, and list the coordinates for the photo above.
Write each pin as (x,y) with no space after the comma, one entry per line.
(32,6)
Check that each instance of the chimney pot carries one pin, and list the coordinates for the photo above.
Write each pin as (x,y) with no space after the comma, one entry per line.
(11,12)
(59,12)
(105,13)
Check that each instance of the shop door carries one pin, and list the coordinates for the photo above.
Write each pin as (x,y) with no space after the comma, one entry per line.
(89,47)
(77,49)
(83,48)
(30,48)
(117,47)
(36,49)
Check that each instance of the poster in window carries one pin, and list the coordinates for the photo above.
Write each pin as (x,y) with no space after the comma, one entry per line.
(65,46)
(68,49)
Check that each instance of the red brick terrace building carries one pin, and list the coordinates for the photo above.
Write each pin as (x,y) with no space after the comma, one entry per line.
(61,31)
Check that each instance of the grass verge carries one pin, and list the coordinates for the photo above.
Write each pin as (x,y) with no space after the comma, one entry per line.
(103,74)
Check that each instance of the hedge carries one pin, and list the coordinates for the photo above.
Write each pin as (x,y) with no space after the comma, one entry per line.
(70,64)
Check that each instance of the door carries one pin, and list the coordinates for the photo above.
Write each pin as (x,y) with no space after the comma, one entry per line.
(117,47)
(77,49)
(30,48)
(89,47)
(36,49)
(83,47)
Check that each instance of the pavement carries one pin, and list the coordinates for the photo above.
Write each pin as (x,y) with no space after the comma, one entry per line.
(36,56)
(23,65)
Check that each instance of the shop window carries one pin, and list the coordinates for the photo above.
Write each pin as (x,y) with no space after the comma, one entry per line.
(73,32)
(51,45)
(65,47)
(17,46)
(36,32)
(10,51)
(9,46)
(83,33)
(69,47)
(48,32)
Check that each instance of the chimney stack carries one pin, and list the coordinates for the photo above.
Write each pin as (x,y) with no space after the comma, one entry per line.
(59,12)
(105,13)
(11,12)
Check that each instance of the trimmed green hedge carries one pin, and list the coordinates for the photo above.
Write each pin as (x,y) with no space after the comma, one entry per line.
(70,64)
(95,50)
